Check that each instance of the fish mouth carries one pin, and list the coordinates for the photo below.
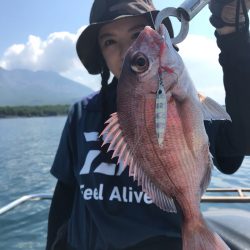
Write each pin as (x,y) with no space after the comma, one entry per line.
(139,62)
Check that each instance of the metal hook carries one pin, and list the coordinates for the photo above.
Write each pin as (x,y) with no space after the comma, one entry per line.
(185,13)
(170,11)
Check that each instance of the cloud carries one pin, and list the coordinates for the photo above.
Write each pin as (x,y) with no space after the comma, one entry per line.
(55,53)
(200,55)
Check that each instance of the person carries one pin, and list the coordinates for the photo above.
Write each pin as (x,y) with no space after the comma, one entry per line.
(96,205)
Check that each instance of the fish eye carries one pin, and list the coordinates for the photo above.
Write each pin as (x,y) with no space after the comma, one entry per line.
(139,63)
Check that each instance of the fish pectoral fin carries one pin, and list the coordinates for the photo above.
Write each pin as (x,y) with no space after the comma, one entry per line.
(212,110)
(113,134)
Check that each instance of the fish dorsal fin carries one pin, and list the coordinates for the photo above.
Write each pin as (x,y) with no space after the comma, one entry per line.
(113,134)
(212,110)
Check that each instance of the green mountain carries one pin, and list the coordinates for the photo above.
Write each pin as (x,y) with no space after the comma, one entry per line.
(23,87)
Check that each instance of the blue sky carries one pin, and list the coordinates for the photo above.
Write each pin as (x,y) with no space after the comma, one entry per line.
(41,35)
(19,19)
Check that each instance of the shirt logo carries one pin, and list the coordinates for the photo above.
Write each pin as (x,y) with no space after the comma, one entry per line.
(102,168)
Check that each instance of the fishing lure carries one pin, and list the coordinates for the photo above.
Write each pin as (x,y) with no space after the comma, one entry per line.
(161,112)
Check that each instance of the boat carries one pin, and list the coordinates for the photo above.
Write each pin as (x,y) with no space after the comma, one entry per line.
(233,225)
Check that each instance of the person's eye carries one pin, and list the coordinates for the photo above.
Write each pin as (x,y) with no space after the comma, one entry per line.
(108,43)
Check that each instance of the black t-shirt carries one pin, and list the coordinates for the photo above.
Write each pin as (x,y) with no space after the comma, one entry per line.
(110,211)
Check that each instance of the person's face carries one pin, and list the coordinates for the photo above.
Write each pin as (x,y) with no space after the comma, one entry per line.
(115,39)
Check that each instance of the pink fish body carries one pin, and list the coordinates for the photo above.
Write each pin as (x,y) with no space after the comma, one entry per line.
(158,131)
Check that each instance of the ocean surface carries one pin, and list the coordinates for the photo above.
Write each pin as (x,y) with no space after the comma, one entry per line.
(27,149)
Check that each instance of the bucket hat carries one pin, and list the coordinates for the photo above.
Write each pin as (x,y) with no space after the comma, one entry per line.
(104,12)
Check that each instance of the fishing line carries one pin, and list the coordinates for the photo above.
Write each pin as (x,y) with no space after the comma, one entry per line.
(153,21)
(161,99)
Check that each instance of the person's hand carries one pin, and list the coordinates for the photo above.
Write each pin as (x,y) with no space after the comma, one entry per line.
(228,15)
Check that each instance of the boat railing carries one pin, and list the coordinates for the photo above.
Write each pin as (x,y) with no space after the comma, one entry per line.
(231,195)
(25,198)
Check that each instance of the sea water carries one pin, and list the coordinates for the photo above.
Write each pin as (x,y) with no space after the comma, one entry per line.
(27,149)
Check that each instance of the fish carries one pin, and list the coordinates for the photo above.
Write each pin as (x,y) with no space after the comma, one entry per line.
(158,132)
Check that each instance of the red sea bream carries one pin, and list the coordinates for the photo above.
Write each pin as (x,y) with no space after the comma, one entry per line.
(158,131)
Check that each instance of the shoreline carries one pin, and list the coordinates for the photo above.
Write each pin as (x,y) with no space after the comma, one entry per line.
(32,116)
(33,111)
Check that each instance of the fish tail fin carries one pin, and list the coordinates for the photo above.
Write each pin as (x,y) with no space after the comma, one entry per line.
(198,236)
